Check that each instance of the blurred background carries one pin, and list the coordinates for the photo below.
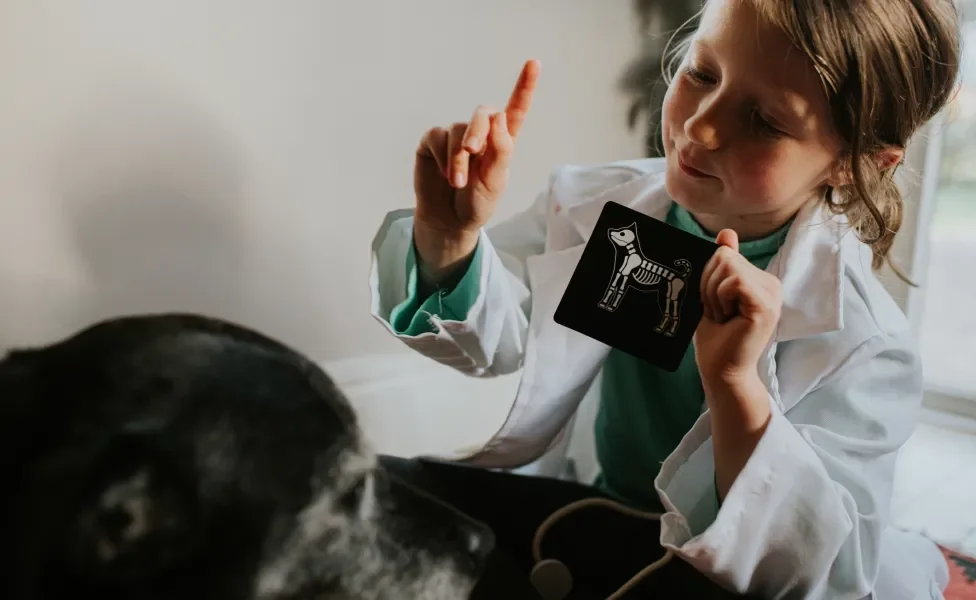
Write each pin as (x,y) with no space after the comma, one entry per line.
(235,157)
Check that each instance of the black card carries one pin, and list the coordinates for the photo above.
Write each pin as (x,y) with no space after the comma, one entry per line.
(637,286)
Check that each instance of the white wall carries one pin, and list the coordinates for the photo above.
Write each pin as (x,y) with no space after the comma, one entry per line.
(234,157)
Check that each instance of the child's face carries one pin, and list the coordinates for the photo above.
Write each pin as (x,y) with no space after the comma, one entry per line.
(746,124)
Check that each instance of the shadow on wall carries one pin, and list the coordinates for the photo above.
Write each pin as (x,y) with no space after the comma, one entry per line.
(153,193)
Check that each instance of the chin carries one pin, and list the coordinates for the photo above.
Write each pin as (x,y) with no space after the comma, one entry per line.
(693,194)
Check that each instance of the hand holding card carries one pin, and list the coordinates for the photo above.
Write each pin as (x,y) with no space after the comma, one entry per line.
(637,286)
(742,306)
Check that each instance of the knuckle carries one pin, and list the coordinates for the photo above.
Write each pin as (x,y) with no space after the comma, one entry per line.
(430,144)
(430,135)
(772,304)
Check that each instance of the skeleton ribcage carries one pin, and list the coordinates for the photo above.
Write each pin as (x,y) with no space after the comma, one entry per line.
(649,273)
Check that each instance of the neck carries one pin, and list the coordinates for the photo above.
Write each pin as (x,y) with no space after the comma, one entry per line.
(748,227)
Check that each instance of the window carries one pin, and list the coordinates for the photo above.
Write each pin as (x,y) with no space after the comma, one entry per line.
(944,307)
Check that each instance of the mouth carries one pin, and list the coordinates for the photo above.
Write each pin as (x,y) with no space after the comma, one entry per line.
(691,171)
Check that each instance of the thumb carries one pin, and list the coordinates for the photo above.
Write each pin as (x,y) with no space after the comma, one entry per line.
(728,237)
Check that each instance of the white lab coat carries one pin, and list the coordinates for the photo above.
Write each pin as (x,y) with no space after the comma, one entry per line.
(807,517)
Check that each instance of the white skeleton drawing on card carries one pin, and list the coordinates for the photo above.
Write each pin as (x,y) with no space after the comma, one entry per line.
(633,269)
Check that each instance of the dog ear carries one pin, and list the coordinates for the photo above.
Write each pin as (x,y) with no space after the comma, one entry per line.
(138,514)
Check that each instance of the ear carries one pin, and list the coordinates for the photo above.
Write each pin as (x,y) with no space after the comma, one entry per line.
(889,158)
(137,515)
(885,159)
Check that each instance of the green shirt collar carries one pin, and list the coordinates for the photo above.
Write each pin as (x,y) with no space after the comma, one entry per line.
(767,246)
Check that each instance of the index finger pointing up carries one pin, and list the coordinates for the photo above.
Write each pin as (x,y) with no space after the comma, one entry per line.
(521,100)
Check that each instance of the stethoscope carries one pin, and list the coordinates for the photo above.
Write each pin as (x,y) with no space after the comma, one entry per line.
(552,579)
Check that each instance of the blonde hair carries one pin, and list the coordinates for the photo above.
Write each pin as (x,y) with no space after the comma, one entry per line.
(888,67)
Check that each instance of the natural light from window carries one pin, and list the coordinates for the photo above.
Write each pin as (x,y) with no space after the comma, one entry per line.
(948,327)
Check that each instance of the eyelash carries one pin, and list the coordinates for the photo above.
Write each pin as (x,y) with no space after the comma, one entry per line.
(763,126)
(696,75)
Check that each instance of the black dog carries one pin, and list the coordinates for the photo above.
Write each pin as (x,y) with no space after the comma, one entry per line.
(176,456)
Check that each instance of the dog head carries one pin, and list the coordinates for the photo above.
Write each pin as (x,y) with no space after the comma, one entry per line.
(624,235)
(174,456)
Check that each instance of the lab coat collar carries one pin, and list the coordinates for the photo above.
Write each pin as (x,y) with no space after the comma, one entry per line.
(809,263)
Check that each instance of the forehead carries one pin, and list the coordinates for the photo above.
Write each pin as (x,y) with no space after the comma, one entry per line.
(759,55)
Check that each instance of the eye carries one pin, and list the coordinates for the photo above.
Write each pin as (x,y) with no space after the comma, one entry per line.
(764,127)
(697,76)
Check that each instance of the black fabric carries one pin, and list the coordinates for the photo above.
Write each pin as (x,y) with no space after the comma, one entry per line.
(602,548)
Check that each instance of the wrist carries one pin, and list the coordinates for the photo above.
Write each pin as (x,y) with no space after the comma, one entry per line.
(740,415)
(740,402)
(440,253)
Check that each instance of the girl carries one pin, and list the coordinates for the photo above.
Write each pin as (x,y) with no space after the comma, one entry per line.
(770,452)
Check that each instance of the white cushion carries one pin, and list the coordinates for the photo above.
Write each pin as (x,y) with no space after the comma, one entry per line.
(410,405)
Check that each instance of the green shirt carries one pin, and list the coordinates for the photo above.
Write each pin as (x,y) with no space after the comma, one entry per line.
(644,411)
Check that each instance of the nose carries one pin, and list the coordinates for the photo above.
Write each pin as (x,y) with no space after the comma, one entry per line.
(477,540)
(702,129)
(432,523)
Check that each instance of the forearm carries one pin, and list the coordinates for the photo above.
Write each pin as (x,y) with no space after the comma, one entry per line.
(740,415)
(432,279)
(441,255)
(809,494)
(784,509)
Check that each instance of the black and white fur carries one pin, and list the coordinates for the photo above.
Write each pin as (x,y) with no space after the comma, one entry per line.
(181,457)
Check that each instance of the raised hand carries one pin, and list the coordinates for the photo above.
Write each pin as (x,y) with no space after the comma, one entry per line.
(460,173)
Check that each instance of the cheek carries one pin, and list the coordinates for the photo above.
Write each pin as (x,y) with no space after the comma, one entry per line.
(763,174)
(758,168)
(775,174)
(672,109)
(665,125)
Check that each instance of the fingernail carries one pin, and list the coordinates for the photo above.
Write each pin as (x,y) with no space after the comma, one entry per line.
(459,180)
(472,144)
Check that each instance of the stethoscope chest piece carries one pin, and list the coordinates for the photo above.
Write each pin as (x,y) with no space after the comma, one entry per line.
(551,579)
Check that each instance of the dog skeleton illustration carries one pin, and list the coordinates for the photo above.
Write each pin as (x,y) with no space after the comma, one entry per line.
(632,269)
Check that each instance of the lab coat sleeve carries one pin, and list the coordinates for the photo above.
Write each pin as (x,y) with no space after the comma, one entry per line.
(804,518)
(490,339)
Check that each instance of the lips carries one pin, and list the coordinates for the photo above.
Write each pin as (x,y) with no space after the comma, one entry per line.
(689,168)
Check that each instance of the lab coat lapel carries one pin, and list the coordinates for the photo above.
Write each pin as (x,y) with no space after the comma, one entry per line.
(810,267)
(643,194)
